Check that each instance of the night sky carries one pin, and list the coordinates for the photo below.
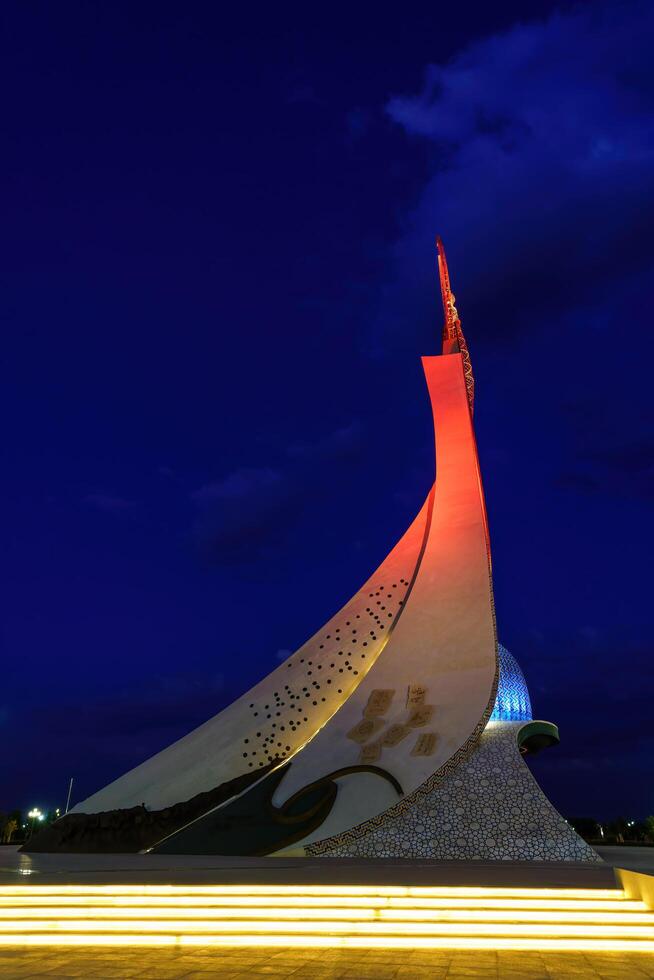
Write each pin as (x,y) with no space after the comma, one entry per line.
(217,279)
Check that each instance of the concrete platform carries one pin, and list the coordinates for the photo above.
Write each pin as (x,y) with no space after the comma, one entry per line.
(633,858)
(189,869)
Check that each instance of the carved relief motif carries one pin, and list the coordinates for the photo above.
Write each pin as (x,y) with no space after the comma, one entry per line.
(370,753)
(378,703)
(364,729)
(425,744)
(421,715)
(394,735)
(415,695)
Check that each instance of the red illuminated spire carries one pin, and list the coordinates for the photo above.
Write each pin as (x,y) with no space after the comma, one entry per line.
(453,340)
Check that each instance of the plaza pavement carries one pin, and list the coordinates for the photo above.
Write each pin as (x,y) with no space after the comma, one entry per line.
(153,964)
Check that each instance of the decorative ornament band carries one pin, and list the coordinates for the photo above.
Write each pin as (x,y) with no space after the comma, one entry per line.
(453,340)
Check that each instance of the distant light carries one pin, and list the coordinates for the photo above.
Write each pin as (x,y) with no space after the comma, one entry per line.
(35,814)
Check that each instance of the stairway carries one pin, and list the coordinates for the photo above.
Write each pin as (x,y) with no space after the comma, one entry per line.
(354,916)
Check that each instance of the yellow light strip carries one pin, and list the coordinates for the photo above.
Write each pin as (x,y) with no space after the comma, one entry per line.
(311,901)
(97,914)
(382,891)
(542,944)
(331,927)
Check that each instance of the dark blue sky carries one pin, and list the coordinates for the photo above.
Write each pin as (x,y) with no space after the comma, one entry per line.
(217,278)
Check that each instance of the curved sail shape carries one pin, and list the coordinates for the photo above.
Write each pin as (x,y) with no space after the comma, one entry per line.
(368,712)
(399,680)
(276,718)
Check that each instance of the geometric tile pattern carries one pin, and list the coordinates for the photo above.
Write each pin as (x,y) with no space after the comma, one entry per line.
(489,808)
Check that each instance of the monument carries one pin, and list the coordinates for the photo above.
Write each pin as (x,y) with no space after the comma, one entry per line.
(398,729)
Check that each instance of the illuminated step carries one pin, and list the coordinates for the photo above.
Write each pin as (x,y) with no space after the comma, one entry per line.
(325,916)
(29,899)
(288,941)
(321,891)
(332,927)
(227,913)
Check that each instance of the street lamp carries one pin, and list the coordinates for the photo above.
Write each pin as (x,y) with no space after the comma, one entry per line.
(34,814)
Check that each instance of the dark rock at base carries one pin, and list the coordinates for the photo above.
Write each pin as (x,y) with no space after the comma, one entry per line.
(134,829)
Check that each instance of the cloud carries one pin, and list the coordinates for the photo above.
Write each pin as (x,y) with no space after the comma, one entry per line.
(109,503)
(244,513)
(578,482)
(626,471)
(169,702)
(252,509)
(542,174)
(345,443)
(595,680)
(238,485)
(358,122)
(612,458)
(302,93)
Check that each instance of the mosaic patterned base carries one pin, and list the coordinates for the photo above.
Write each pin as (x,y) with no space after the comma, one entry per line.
(489,808)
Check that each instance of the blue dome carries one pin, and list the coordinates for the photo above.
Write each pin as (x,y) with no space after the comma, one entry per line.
(512,702)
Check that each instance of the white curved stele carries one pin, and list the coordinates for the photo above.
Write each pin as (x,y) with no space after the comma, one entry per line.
(424,620)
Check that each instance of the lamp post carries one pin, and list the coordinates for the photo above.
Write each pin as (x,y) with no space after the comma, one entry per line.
(34,815)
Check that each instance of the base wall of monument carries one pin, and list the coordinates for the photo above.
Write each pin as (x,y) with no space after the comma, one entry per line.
(489,808)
